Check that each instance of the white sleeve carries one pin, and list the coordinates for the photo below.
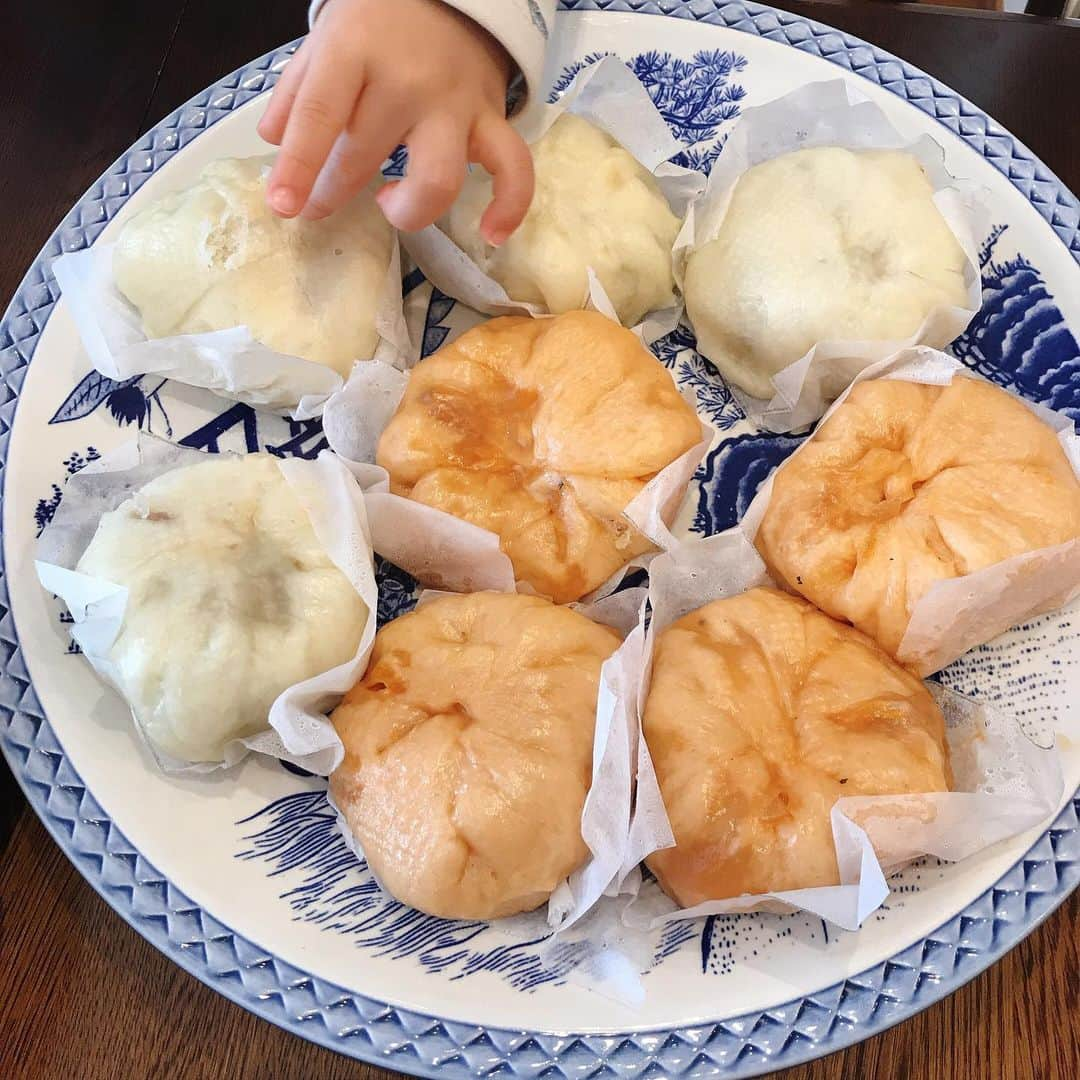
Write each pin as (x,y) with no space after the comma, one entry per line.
(520,26)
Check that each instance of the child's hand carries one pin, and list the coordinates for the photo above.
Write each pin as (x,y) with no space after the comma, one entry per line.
(374,74)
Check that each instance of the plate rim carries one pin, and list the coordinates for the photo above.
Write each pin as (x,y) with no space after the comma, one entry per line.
(383,1034)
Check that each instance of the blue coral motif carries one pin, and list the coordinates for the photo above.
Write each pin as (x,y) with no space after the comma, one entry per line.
(398,591)
(714,398)
(1019,338)
(671,346)
(696,97)
(298,834)
(45,510)
(732,474)
(76,462)
(569,73)
(677,351)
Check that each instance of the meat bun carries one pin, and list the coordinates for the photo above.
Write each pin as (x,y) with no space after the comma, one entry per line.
(468,752)
(762,712)
(542,431)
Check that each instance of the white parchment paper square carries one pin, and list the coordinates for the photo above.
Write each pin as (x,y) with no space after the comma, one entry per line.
(296,726)
(960,613)
(231,362)
(833,114)
(1004,784)
(610,96)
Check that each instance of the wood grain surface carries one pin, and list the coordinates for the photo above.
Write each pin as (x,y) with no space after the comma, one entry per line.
(81,994)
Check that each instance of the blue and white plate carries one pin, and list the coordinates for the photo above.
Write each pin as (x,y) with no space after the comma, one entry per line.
(241,878)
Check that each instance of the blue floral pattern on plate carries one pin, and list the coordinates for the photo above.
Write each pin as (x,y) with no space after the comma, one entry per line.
(1041,361)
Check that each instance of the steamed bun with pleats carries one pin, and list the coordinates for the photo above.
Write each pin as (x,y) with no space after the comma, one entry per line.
(231,599)
(468,752)
(541,431)
(595,206)
(214,256)
(762,712)
(908,485)
(822,244)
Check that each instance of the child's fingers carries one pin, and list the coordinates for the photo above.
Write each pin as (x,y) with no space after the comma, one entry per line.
(373,132)
(505,154)
(436,171)
(320,112)
(272,125)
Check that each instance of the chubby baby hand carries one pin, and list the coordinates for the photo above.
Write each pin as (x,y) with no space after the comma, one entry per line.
(372,75)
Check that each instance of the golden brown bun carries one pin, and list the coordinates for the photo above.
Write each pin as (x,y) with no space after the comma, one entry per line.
(541,430)
(761,714)
(468,752)
(906,485)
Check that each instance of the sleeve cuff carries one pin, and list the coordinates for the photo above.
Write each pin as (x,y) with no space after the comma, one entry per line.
(521,27)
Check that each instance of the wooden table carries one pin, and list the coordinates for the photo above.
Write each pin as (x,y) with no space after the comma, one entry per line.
(81,994)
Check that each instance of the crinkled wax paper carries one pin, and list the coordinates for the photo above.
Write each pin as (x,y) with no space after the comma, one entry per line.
(832,114)
(957,614)
(229,362)
(296,728)
(609,95)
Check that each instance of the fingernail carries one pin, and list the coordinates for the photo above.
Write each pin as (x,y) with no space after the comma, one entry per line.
(497,237)
(390,201)
(285,201)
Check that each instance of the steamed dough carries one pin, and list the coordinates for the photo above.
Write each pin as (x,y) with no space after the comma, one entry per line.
(908,484)
(595,206)
(818,245)
(761,714)
(231,600)
(468,752)
(214,256)
(542,431)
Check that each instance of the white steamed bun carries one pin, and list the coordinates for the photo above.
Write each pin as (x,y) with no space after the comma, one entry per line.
(231,600)
(214,256)
(824,244)
(595,206)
